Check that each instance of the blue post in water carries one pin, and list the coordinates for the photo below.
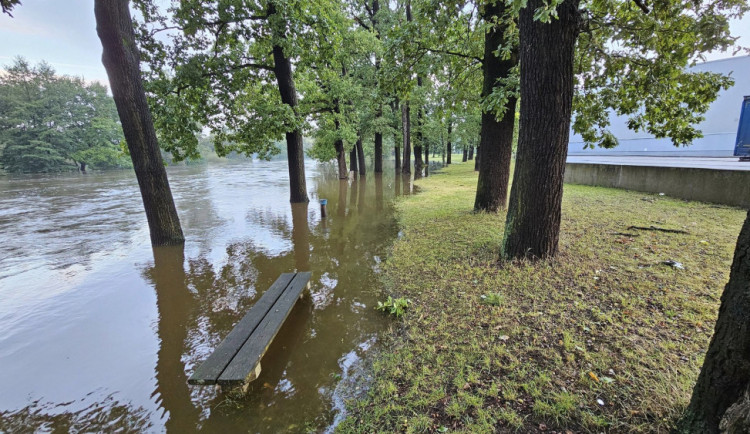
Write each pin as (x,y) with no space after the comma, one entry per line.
(742,146)
(323,203)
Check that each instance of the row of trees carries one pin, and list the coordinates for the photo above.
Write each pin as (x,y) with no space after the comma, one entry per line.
(51,123)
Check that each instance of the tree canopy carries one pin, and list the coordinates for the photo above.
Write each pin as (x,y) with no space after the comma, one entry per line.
(52,123)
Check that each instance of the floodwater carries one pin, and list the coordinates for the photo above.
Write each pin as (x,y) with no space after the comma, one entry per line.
(99,332)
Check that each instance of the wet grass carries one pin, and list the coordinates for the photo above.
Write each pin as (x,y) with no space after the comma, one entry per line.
(603,338)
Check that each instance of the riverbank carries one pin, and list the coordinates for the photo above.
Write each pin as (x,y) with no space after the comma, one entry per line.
(604,337)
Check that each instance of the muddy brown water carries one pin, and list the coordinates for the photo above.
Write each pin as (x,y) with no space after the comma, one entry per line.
(99,332)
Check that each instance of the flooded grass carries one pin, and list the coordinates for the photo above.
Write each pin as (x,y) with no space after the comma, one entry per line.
(606,337)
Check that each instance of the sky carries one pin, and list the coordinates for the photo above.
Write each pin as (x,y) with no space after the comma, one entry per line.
(63,33)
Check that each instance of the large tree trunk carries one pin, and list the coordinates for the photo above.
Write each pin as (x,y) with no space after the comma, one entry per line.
(282,68)
(341,157)
(353,159)
(496,137)
(361,157)
(396,148)
(338,145)
(532,227)
(471,153)
(725,376)
(449,146)
(378,135)
(301,236)
(418,162)
(465,156)
(378,153)
(121,60)
(406,127)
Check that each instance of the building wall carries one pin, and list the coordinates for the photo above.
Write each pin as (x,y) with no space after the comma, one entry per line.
(719,128)
(726,187)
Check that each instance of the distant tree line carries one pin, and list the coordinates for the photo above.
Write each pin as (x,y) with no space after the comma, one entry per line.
(53,123)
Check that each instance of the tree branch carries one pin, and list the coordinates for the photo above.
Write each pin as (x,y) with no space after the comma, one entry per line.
(449,52)
(642,5)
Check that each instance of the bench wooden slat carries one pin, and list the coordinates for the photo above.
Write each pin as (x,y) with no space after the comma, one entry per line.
(210,370)
(244,366)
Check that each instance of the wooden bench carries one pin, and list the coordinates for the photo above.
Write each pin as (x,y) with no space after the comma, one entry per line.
(236,361)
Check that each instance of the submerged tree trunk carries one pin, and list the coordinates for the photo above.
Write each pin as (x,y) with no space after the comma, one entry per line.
(300,236)
(532,227)
(465,156)
(379,152)
(282,68)
(340,156)
(449,146)
(496,136)
(353,159)
(725,376)
(121,60)
(361,157)
(396,148)
(406,127)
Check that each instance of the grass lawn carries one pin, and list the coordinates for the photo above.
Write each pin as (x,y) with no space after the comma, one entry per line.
(603,338)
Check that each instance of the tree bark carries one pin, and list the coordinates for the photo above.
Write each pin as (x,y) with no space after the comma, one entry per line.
(122,61)
(532,227)
(396,148)
(378,153)
(282,67)
(406,126)
(427,155)
(300,236)
(353,159)
(418,162)
(471,153)
(465,156)
(725,375)
(476,164)
(361,157)
(341,156)
(378,135)
(449,146)
(496,136)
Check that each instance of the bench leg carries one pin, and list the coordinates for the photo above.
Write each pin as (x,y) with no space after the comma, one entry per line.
(252,376)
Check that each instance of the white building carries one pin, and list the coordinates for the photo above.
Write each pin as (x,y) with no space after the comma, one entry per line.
(719,128)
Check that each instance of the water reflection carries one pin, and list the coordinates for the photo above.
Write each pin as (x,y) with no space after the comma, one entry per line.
(175,304)
(379,191)
(162,316)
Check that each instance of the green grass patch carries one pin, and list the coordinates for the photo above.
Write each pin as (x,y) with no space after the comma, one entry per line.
(603,337)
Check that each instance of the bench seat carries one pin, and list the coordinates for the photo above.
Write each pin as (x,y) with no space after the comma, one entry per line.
(236,361)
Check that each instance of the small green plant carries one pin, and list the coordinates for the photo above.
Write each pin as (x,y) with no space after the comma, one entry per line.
(394,306)
(493,299)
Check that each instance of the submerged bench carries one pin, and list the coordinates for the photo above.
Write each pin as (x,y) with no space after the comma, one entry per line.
(236,361)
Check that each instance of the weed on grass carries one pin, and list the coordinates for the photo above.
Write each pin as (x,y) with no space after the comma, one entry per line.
(602,338)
